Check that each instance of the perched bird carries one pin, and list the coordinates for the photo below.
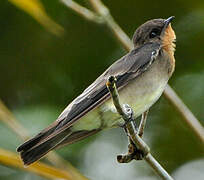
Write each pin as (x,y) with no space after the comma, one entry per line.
(141,75)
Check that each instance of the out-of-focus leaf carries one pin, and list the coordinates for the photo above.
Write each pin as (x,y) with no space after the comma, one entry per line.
(12,159)
(37,11)
(7,117)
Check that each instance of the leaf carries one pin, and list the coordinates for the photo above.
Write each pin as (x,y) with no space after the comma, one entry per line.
(35,9)
(12,159)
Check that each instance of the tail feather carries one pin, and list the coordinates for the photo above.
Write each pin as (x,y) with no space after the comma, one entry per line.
(38,138)
(36,148)
(35,152)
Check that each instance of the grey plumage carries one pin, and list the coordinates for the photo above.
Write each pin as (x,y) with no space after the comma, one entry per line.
(126,70)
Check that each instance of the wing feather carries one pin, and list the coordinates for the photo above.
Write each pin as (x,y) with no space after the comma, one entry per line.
(125,70)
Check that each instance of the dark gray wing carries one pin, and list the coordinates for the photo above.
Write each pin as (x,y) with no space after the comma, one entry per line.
(125,70)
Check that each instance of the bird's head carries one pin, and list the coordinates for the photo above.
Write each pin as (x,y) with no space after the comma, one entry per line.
(158,31)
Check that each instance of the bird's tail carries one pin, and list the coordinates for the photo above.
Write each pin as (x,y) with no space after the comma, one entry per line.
(40,145)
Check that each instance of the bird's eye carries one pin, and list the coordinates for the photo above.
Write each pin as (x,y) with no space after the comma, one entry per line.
(155,32)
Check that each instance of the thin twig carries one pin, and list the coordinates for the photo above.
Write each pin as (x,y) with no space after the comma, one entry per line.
(127,114)
(7,117)
(187,115)
(82,11)
(111,86)
(169,93)
(120,35)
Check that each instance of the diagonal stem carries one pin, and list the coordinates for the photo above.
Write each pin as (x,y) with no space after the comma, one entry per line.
(127,114)
(84,12)
(187,115)
(120,35)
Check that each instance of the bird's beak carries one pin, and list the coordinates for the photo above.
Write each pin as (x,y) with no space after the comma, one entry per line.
(167,22)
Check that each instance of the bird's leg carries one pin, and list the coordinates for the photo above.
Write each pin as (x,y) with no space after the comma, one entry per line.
(142,123)
(137,153)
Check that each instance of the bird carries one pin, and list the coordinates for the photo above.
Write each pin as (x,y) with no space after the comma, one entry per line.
(142,75)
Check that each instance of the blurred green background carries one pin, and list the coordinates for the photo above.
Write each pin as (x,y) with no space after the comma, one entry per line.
(40,73)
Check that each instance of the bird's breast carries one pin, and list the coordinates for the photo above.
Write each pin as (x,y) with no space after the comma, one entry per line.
(142,92)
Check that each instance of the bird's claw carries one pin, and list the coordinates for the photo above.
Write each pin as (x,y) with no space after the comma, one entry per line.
(128,111)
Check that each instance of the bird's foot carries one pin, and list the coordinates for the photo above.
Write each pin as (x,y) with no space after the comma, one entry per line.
(129,116)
